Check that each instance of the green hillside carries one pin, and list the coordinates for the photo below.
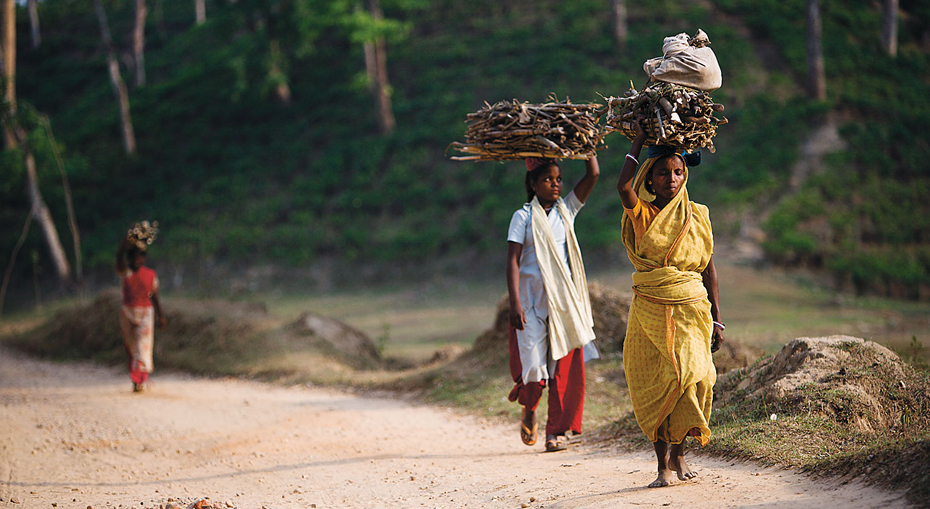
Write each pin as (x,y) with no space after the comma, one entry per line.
(237,177)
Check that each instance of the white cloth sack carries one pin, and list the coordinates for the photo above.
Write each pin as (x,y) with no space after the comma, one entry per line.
(686,61)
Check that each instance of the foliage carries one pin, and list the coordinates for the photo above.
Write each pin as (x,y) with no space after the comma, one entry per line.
(237,175)
(865,217)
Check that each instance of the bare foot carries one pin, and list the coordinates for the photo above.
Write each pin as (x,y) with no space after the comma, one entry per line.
(678,464)
(664,479)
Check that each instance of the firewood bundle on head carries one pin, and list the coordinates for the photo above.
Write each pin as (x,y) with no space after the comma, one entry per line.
(672,115)
(515,130)
(143,234)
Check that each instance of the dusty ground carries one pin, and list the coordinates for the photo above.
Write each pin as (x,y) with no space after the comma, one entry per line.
(75,436)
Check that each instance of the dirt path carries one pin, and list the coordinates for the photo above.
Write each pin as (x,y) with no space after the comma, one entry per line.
(75,436)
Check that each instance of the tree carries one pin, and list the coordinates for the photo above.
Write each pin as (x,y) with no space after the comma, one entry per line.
(33,6)
(200,10)
(138,42)
(621,29)
(890,27)
(16,140)
(9,66)
(375,50)
(276,74)
(119,86)
(289,29)
(816,79)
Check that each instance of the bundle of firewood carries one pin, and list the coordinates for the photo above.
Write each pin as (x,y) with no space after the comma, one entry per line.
(515,130)
(143,234)
(672,115)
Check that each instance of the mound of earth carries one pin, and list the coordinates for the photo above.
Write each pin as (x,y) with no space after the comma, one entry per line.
(610,310)
(347,341)
(202,336)
(734,354)
(850,380)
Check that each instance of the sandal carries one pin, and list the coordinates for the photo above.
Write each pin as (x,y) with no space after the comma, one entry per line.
(555,445)
(526,434)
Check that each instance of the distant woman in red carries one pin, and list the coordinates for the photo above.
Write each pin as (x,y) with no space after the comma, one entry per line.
(139,309)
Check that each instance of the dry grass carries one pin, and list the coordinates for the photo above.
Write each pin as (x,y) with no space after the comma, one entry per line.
(765,309)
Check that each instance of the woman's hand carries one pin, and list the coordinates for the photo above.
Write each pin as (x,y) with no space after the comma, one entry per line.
(517,317)
(717,337)
(162,322)
(640,132)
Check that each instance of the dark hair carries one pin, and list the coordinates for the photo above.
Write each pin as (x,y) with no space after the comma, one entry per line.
(133,250)
(531,177)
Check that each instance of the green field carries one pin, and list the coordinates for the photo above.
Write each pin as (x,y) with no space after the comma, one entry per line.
(765,308)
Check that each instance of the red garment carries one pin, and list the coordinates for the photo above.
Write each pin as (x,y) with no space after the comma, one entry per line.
(138,288)
(135,369)
(566,392)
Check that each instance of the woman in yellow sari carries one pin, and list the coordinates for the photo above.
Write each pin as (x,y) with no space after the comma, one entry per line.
(674,322)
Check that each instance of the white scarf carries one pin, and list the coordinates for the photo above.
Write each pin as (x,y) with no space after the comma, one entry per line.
(570,322)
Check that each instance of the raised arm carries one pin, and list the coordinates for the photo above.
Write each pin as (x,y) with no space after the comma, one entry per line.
(628,172)
(517,317)
(121,266)
(584,186)
(709,278)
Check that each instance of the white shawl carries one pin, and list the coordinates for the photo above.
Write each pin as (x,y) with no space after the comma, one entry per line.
(570,322)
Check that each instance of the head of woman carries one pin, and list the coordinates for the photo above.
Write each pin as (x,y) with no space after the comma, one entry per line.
(543,180)
(666,177)
(135,257)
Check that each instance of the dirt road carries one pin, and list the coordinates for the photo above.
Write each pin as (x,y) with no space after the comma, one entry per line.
(75,436)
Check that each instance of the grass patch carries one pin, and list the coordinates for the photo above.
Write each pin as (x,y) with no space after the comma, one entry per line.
(862,412)
(763,308)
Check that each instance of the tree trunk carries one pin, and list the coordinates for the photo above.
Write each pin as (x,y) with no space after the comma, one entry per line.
(69,204)
(276,72)
(16,139)
(376,69)
(620,23)
(160,19)
(119,87)
(890,27)
(44,217)
(33,6)
(816,79)
(9,67)
(200,10)
(138,42)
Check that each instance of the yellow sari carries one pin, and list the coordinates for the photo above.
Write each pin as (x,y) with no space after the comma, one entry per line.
(666,353)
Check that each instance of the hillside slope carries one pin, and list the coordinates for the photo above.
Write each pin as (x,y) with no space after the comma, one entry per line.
(235,176)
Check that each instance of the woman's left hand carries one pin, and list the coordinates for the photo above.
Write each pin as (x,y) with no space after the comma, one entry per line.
(162,322)
(717,338)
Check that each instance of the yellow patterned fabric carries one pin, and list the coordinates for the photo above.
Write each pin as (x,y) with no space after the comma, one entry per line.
(666,353)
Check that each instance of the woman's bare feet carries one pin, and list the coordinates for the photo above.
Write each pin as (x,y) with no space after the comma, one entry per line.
(666,475)
(676,462)
(664,479)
